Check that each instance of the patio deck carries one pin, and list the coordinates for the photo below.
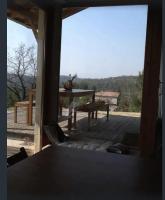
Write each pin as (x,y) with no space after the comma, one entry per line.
(102,134)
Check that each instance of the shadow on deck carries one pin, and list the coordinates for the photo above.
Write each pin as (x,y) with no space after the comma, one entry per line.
(103,133)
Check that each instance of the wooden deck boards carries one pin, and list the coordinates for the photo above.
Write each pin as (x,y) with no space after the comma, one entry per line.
(102,134)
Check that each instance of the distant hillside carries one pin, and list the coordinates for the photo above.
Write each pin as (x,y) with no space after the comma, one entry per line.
(120,83)
(130,88)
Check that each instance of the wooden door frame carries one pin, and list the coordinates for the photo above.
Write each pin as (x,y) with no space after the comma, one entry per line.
(153,6)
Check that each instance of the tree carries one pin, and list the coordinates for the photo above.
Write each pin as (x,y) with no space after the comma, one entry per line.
(123,102)
(131,95)
(22,67)
(137,94)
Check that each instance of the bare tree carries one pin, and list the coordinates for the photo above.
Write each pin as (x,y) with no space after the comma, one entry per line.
(22,66)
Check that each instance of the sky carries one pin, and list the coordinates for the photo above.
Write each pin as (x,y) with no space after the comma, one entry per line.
(97,42)
(17,34)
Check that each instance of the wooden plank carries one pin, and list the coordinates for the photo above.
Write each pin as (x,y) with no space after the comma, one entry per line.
(151,79)
(38,132)
(88,3)
(67,12)
(52,69)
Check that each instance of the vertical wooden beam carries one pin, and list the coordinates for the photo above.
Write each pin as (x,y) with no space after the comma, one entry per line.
(38,130)
(151,78)
(3,107)
(52,66)
(163,99)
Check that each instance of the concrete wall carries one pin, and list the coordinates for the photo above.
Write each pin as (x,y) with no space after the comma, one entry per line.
(110,100)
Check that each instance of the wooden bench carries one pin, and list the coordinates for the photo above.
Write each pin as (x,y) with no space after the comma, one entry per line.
(102,106)
(91,108)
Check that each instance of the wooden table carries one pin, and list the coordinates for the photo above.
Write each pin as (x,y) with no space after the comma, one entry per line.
(63,173)
(71,94)
(62,93)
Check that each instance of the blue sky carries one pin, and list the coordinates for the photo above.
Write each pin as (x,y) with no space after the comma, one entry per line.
(97,42)
(17,34)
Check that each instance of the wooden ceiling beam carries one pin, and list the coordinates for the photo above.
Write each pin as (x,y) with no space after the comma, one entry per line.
(25,12)
(91,3)
(29,17)
(25,16)
(45,4)
(67,12)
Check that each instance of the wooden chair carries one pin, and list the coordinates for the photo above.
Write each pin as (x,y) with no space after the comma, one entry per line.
(91,108)
(28,105)
(17,157)
(22,104)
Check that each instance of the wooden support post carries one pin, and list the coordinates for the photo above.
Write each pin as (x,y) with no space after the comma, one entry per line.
(38,130)
(151,79)
(49,48)
(52,67)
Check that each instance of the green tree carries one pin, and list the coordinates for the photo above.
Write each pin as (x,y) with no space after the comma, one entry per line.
(137,94)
